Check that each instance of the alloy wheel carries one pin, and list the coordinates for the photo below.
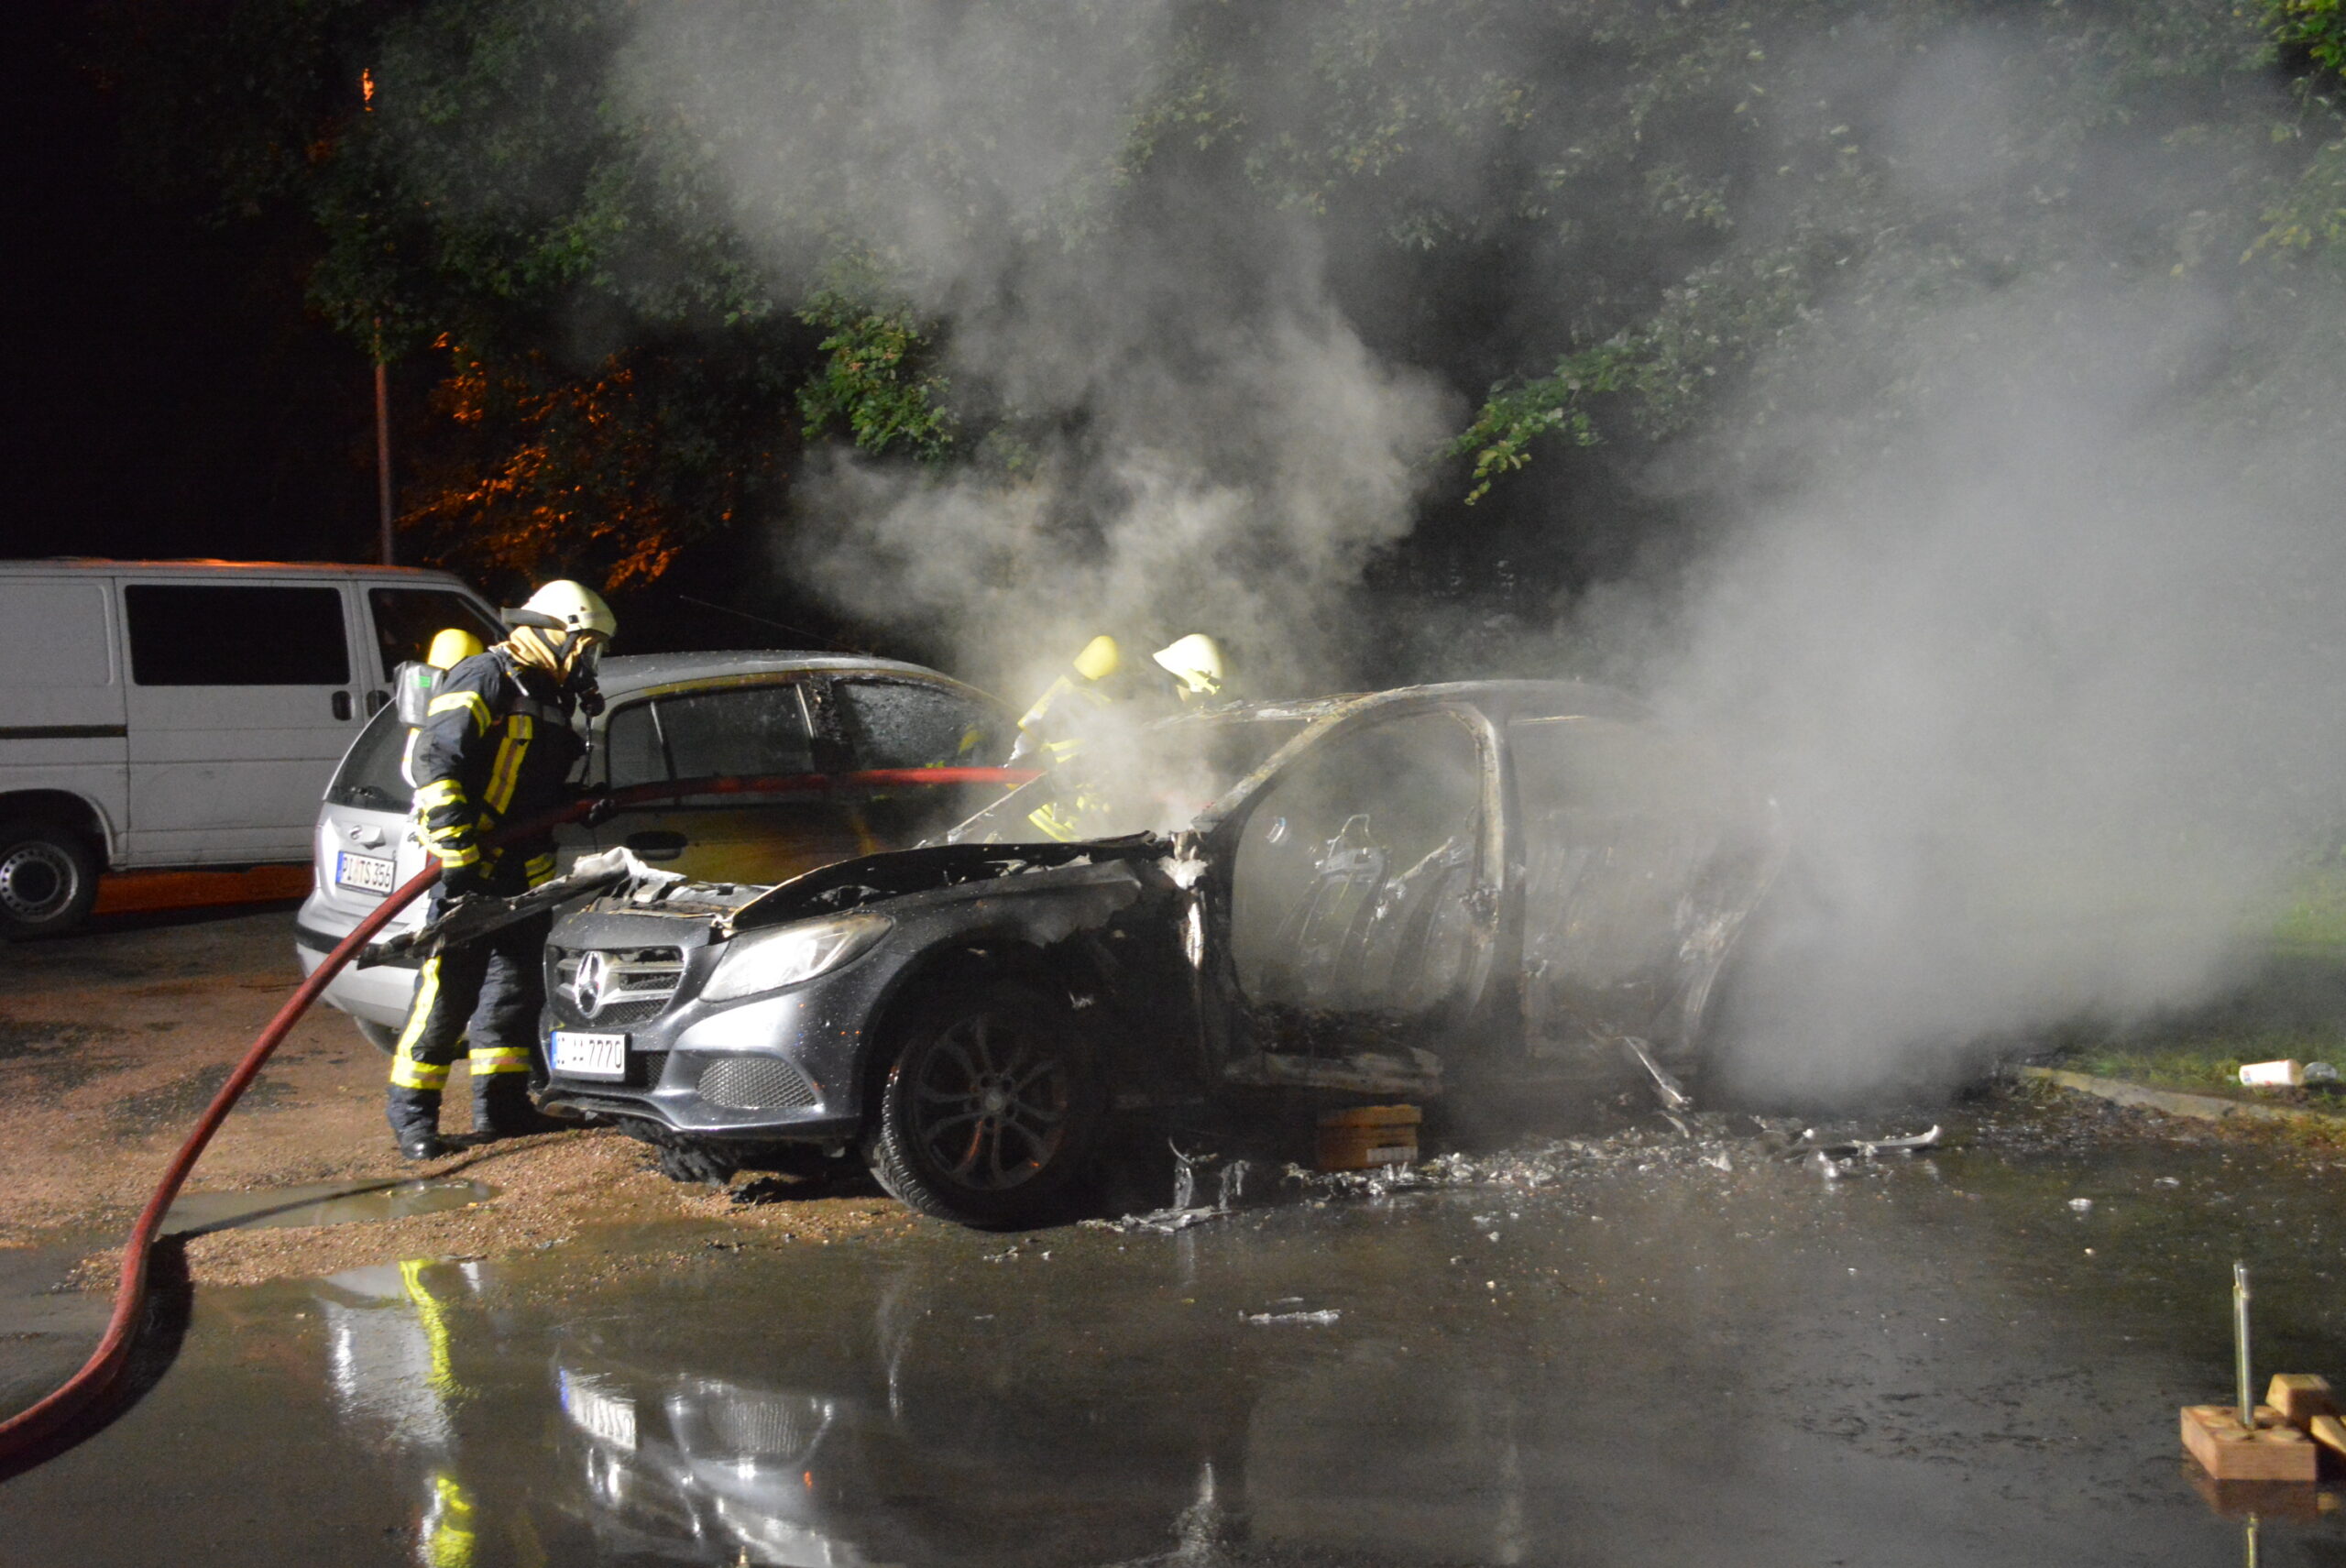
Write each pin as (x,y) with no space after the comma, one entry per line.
(990,1101)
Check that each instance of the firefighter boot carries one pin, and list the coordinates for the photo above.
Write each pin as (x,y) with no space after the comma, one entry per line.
(501,1107)
(415,1123)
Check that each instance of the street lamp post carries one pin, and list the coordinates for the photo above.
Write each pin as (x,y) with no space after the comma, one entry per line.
(382,386)
(383,445)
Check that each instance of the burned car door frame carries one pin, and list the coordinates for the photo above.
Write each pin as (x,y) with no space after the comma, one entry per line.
(1362,907)
(1645,857)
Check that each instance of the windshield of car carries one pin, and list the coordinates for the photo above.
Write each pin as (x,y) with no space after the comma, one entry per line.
(369,775)
(1153,779)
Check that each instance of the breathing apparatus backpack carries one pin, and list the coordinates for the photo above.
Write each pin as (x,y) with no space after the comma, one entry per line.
(413,682)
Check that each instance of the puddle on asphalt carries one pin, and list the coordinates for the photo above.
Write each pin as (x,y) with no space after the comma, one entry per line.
(320,1203)
(1923,1365)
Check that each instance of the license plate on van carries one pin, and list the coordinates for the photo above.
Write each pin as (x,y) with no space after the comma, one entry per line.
(578,1055)
(368,873)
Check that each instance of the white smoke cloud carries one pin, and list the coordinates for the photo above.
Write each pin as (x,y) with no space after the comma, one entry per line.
(2025,607)
(2036,642)
(1219,450)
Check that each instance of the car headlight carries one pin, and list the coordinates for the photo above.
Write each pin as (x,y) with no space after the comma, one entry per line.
(768,960)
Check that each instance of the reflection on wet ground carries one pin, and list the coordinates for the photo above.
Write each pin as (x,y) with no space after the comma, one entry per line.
(320,1203)
(1923,1360)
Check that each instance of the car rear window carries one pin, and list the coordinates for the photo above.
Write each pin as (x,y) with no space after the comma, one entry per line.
(369,776)
(907,724)
(739,731)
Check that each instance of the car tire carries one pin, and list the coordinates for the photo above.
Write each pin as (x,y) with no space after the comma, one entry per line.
(992,1109)
(382,1037)
(48,879)
(687,1162)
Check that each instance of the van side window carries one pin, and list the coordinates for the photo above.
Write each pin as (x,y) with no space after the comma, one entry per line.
(407,619)
(202,635)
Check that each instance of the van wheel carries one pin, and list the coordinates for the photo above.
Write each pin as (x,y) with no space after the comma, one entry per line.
(382,1037)
(991,1110)
(48,879)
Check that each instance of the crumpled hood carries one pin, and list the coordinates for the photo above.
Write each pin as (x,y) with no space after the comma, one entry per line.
(851,884)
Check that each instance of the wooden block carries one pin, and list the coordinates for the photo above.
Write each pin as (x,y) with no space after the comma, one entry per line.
(1359,1148)
(2329,1431)
(2274,1451)
(1365,1136)
(2300,1396)
(1372,1116)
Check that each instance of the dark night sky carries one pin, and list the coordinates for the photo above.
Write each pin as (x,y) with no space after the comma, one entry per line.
(170,396)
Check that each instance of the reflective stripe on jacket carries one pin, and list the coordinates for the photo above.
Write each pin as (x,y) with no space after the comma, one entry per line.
(495,744)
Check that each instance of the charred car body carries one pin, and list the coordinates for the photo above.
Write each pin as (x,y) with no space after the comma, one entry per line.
(1371,895)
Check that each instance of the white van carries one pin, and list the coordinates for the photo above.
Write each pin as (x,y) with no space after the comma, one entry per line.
(187,713)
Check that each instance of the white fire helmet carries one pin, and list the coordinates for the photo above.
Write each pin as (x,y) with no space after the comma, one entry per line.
(564,606)
(1195,661)
(578,613)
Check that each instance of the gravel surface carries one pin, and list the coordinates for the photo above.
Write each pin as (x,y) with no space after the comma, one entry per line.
(113,1042)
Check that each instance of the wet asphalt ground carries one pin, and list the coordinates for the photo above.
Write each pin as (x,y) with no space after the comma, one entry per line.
(1616,1352)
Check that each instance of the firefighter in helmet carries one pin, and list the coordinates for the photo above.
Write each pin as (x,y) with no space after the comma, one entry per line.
(495,746)
(1063,729)
(1195,663)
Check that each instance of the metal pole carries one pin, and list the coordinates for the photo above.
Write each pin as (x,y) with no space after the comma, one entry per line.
(2240,1346)
(383,445)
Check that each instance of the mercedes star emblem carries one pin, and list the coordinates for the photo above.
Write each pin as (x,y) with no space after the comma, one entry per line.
(594,973)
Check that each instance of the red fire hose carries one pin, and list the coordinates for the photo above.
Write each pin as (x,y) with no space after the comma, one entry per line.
(27,1434)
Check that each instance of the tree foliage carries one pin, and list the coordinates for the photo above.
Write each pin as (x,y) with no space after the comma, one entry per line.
(1607,212)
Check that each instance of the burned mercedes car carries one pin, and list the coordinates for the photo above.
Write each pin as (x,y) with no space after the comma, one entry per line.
(1399,894)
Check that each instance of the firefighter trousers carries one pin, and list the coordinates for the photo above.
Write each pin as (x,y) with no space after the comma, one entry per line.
(490,993)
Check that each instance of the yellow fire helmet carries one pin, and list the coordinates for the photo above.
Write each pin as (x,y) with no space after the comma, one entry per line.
(452,646)
(1099,658)
(1195,661)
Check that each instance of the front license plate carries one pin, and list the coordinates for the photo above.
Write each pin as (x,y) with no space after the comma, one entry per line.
(589,1056)
(366,872)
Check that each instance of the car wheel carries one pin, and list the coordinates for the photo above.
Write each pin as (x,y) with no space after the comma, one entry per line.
(991,1110)
(382,1037)
(48,879)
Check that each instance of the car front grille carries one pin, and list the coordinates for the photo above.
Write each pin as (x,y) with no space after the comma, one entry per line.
(766,1425)
(637,984)
(757,1083)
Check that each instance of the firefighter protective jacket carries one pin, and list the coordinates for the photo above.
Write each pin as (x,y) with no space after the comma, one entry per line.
(494,745)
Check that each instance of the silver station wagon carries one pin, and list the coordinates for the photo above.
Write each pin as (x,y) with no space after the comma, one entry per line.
(814,718)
